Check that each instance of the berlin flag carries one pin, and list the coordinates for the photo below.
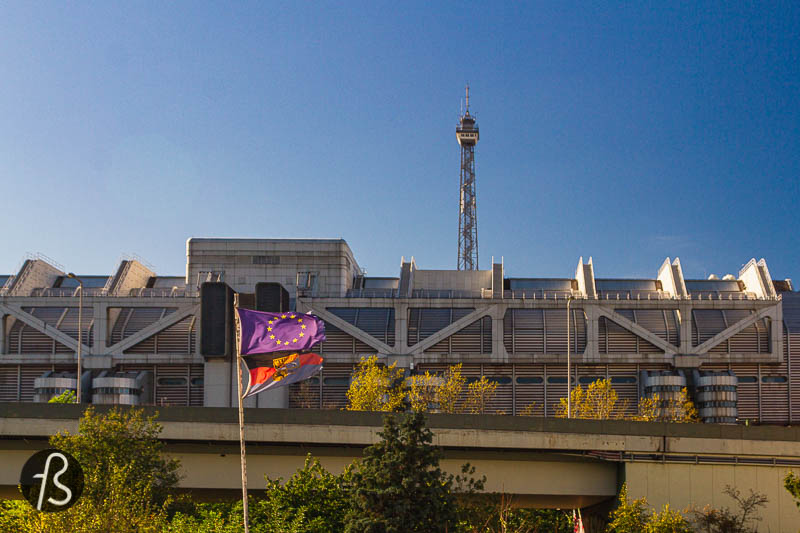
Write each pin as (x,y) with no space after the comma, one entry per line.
(268,373)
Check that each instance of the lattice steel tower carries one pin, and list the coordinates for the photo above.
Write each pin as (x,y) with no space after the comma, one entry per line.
(467,135)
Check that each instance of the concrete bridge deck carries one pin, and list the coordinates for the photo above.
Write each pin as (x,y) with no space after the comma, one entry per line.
(543,462)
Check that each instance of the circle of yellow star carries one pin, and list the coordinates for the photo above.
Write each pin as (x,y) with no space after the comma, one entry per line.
(303,326)
(302,334)
(291,316)
(278,342)
(299,319)
(272,336)
(283,316)
(294,340)
(269,328)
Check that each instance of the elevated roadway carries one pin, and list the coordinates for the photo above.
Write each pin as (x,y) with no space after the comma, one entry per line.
(543,462)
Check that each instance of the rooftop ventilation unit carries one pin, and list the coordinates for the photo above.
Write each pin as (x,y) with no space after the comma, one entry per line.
(51,384)
(121,388)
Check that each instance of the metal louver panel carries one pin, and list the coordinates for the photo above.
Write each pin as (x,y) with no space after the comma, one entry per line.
(792,347)
(196,385)
(529,388)
(69,325)
(625,380)
(747,390)
(335,382)
(705,324)
(556,386)
(503,400)
(25,339)
(9,386)
(131,320)
(176,339)
(306,394)
(337,341)
(172,384)
(28,374)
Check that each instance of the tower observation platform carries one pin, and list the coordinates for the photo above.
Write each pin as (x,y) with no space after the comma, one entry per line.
(467,134)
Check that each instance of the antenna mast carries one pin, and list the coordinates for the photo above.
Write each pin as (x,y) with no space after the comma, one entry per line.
(467,135)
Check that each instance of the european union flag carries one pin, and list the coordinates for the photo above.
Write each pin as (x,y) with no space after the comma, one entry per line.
(260,332)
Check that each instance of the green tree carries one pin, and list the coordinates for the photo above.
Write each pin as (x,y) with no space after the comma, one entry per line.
(449,391)
(668,521)
(726,520)
(322,498)
(479,394)
(422,391)
(629,516)
(126,481)
(68,396)
(598,401)
(376,387)
(398,486)
(121,437)
(792,483)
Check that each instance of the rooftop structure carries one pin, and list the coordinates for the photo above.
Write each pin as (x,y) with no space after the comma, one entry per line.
(739,336)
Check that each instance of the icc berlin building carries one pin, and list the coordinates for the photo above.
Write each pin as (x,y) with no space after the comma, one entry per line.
(166,340)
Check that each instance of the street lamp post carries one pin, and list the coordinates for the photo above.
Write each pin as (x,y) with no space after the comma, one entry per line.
(80,328)
(569,365)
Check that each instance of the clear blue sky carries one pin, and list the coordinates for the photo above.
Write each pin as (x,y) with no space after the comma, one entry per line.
(628,133)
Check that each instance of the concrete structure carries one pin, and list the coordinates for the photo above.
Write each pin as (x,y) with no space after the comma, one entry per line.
(511,329)
(537,461)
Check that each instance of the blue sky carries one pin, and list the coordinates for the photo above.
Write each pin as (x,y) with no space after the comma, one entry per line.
(625,132)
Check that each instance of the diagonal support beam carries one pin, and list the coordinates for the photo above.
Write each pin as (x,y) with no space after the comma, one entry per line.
(455,327)
(636,329)
(730,331)
(42,327)
(152,329)
(353,331)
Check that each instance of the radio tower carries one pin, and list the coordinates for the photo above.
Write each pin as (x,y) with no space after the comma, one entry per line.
(467,135)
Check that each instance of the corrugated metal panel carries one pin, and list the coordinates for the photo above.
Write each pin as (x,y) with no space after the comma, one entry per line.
(176,339)
(746,390)
(335,382)
(172,384)
(134,319)
(752,338)
(69,325)
(792,348)
(625,380)
(25,339)
(306,394)
(524,330)
(28,374)
(196,385)
(556,381)
(377,322)
(529,389)
(8,383)
(472,372)
(705,324)
(774,399)
(474,338)
(337,341)
(616,339)
(660,322)
(503,400)
(790,302)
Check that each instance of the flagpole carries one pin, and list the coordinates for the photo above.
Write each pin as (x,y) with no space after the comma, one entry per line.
(241,422)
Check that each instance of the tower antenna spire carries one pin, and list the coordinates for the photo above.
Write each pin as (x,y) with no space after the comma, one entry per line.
(467,135)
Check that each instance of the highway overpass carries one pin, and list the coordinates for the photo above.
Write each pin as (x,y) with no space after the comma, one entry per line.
(543,462)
